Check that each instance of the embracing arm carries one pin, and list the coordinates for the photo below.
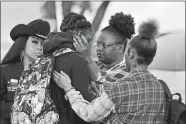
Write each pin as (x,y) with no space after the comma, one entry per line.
(101,107)
(97,110)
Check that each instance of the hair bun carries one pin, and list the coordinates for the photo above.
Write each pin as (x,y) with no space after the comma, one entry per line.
(149,29)
(124,23)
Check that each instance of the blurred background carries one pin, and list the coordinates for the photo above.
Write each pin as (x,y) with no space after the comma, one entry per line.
(169,62)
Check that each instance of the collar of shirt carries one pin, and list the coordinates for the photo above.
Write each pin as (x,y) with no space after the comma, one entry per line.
(140,73)
(112,75)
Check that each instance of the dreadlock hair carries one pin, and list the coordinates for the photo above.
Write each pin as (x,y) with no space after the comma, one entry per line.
(145,43)
(73,21)
(121,27)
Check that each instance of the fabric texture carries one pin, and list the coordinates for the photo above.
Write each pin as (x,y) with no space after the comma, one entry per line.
(108,77)
(8,72)
(56,40)
(139,98)
(75,66)
(90,112)
(32,102)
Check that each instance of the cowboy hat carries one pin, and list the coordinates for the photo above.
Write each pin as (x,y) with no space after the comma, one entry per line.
(37,28)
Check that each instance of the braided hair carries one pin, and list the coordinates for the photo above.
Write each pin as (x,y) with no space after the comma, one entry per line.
(145,43)
(73,21)
(121,27)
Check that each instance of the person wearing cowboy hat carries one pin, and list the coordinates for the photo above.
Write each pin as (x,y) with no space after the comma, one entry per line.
(28,46)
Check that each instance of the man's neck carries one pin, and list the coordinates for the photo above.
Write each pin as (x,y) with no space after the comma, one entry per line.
(138,67)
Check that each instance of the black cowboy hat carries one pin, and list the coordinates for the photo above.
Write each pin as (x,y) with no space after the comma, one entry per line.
(37,28)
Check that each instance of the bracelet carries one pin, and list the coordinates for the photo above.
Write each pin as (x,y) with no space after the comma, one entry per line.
(89,60)
(69,89)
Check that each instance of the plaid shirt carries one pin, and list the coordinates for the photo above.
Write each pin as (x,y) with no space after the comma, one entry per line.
(102,66)
(138,98)
(107,76)
(90,112)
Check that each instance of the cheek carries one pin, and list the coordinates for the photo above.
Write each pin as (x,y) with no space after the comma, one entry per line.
(27,52)
(110,53)
(29,49)
(107,52)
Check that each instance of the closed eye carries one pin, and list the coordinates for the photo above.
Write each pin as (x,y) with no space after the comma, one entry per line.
(35,42)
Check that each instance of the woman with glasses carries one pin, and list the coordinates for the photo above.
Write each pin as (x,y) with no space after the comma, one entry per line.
(138,98)
(111,45)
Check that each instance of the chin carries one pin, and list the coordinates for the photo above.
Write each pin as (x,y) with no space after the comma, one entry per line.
(101,59)
(34,58)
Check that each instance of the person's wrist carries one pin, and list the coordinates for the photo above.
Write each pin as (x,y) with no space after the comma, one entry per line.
(68,89)
(85,53)
(89,59)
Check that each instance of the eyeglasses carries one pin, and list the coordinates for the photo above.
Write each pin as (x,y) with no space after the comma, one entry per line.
(104,45)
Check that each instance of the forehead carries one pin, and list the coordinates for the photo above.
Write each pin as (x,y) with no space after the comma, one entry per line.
(30,38)
(106,38)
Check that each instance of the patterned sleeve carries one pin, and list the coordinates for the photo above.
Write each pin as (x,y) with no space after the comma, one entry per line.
(97,110)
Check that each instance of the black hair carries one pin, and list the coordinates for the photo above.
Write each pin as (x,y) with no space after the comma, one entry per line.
(74,21)
(121,27)
(145,43)
(14,53)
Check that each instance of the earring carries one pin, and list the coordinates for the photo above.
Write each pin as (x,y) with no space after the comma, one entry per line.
(22,55)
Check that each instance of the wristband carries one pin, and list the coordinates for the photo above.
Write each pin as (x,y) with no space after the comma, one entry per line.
(69,89)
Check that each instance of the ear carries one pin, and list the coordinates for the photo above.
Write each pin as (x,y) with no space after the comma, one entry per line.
(74,32)
(120,48)
(79,32)
(131,53)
